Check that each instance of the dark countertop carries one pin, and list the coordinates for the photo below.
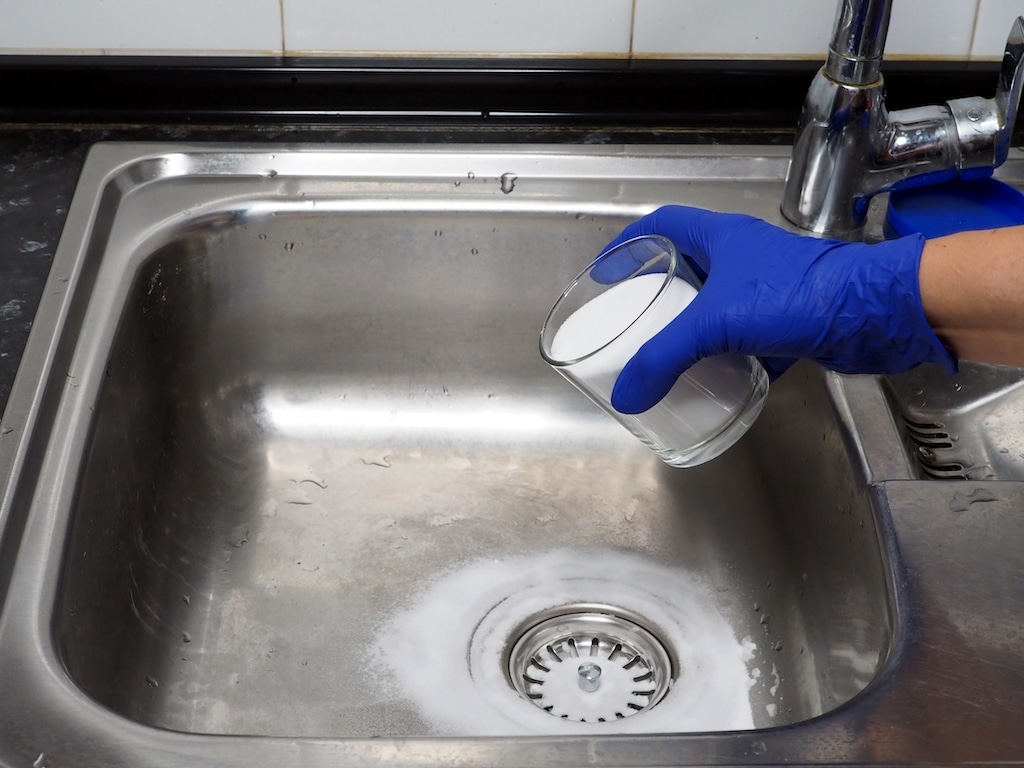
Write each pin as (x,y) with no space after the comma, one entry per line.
(38,172)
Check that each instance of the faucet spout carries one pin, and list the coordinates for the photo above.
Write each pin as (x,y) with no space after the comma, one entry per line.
(849,146)
(858,41)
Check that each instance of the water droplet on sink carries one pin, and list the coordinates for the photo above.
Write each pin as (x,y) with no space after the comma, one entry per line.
(961,502)
(186,637)
(269,173)
(31,246)
(152,682)
(41,761)
(471,175)
(508,182)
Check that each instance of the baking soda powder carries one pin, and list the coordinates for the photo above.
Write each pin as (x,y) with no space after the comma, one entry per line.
(600,337)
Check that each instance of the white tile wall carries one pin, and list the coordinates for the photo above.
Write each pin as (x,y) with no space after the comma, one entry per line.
(995,18)
(941,29)
(748,28)
(556,27)
(141,26)
(955,29)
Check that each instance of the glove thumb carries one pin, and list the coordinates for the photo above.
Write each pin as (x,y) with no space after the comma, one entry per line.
(649,375)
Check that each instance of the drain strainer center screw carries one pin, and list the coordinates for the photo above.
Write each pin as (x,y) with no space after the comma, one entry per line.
(590,664)
(590,677)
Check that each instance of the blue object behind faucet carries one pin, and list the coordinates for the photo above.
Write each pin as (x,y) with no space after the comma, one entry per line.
(955,206)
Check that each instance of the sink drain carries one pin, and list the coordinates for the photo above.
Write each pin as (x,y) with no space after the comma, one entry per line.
(589,663)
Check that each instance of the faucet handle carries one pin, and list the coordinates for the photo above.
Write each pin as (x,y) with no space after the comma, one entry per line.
(1011,77)
(985,126)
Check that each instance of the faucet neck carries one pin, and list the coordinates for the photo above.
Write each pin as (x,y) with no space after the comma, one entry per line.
(849,147)
(858,41)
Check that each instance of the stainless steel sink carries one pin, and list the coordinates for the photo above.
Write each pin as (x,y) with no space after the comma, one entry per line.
(288,479)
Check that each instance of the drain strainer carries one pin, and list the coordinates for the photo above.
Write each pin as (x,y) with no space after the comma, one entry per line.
(589,663)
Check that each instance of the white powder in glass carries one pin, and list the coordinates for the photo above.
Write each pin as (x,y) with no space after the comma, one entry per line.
(705,400)
(604,317)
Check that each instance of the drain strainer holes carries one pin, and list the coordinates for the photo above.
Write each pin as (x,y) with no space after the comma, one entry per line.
(589,663)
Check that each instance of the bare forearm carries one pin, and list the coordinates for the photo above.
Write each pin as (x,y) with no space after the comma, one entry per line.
(972,291)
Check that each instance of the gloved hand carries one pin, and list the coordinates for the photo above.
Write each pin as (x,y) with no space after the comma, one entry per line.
(851,307)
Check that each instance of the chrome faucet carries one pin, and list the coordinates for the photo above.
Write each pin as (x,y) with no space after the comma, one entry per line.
(849,147)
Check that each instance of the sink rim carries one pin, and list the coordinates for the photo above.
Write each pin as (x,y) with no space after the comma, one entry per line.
(20,531)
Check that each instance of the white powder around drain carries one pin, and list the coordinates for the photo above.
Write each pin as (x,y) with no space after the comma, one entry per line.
(443,654)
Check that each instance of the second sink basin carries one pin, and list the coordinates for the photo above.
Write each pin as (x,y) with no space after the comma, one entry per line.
(964,427)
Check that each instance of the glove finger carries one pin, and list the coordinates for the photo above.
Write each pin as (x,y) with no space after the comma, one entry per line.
(690,229)
(627,258)
(649,375)
(776,366)
(641,226)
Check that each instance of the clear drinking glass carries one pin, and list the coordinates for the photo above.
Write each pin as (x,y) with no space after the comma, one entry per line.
(605,315)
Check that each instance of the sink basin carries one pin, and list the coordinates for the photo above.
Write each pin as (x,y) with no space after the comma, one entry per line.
(290,480)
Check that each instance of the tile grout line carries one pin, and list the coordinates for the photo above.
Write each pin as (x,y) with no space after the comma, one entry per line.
(971,53)
(632,30)
(280,8)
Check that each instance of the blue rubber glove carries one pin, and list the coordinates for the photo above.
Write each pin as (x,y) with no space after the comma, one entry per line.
(851,307)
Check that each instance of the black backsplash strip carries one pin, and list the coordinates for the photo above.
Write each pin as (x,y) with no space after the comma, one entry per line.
(716,96)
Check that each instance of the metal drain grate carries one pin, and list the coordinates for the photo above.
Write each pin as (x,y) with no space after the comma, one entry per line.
(590,663)
(935,450)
